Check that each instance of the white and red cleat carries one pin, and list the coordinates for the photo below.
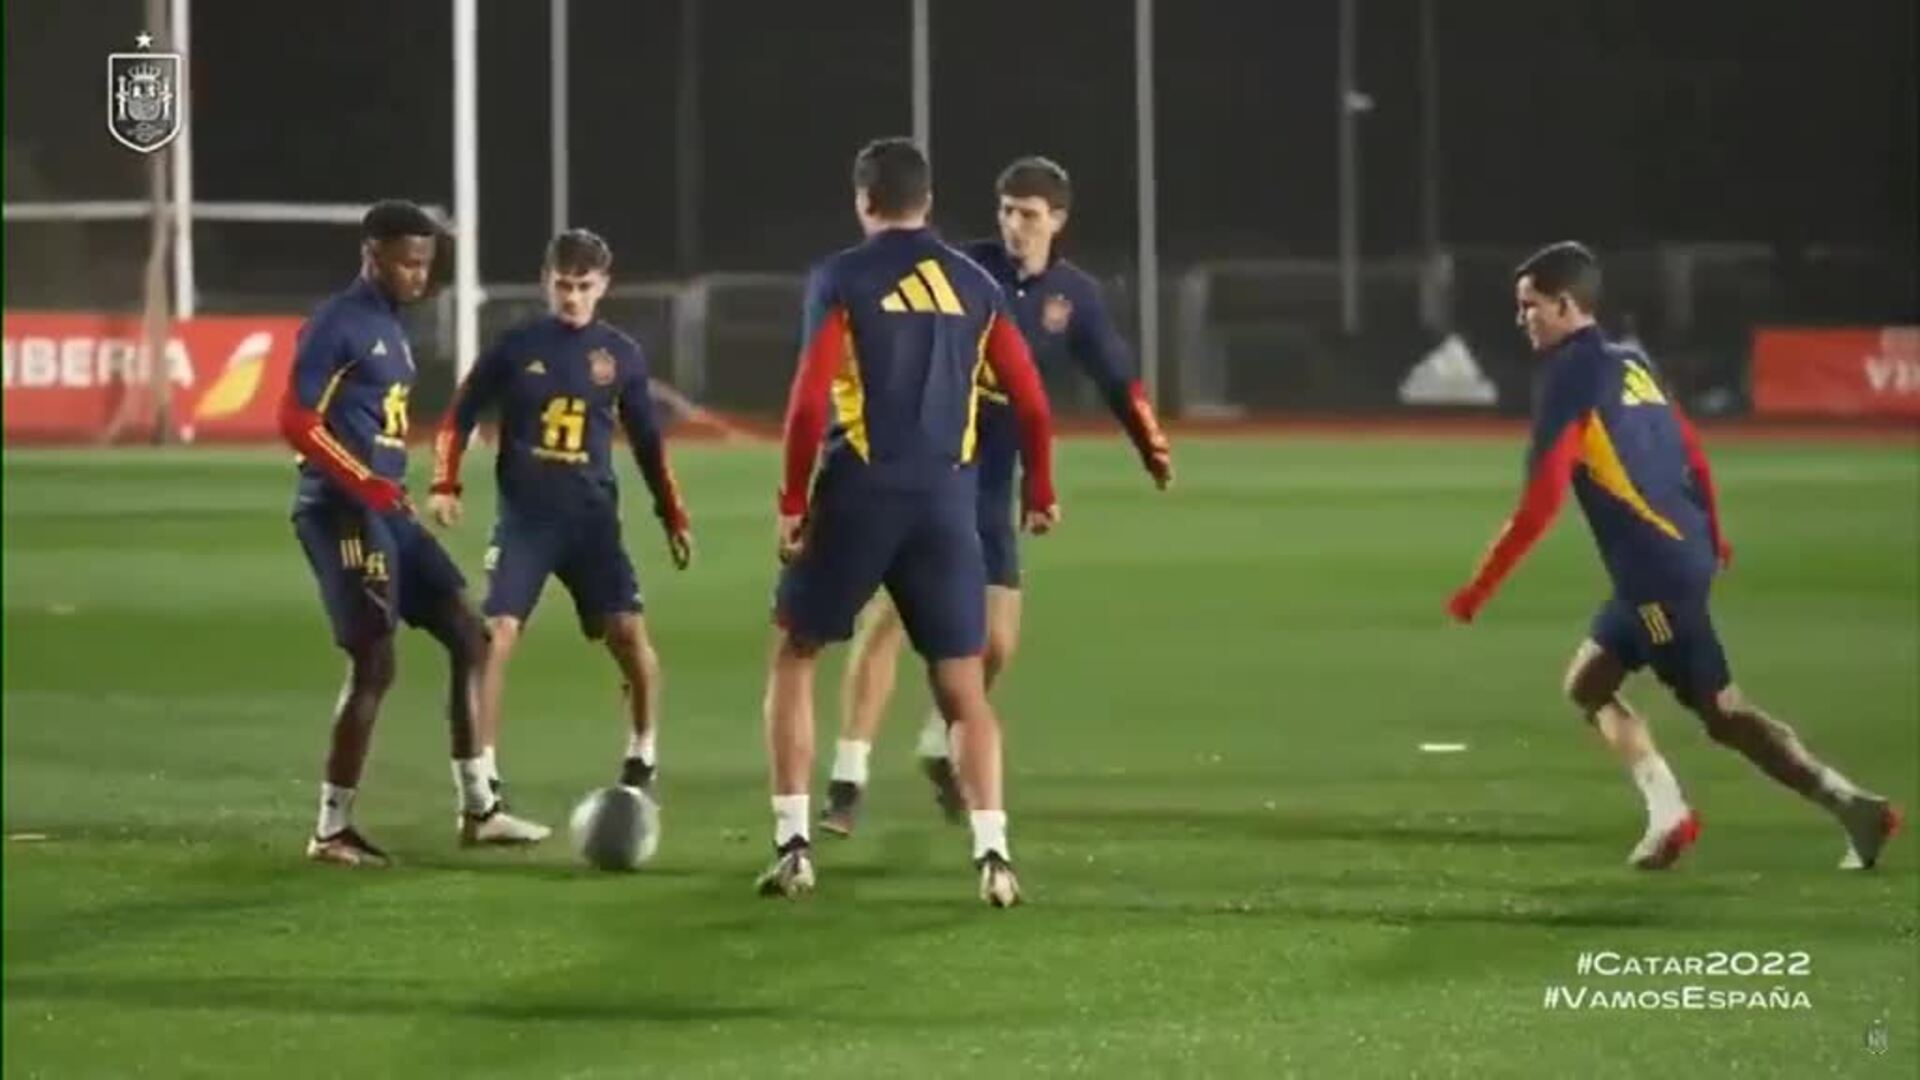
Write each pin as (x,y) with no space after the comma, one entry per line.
(1662,846)
(1870,822)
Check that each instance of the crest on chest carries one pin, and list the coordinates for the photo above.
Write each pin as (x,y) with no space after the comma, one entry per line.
(1056,312)
(602,368)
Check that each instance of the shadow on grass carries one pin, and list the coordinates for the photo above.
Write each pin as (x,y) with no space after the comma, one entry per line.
(388,998)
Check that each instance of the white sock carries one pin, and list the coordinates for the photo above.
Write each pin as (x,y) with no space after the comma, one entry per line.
(336,810)
(489,765)
(1665,803)
(790,818)
(1841,789)
(933,737)
(850,760)
(642,747)
(470,777)
(989,832)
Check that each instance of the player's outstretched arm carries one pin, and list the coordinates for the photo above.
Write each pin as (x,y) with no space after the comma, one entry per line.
(806,424)
(1096,345)
(1546,491)
(1012,364)
(476,392)
(649,446)
(319,356)
(1703,476)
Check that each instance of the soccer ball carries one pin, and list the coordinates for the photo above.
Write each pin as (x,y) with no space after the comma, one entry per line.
(616,828)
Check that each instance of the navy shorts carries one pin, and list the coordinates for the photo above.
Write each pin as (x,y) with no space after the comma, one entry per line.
(999,537)
(1674,636)
(921,544)
(583,550)
(372,568)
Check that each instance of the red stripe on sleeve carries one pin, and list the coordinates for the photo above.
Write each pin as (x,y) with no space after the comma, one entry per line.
(806,422)
(1703,475)
(1546,491)
(1012,365)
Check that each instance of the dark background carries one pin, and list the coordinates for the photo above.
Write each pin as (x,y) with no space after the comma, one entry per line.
(1623,121)
(716,136)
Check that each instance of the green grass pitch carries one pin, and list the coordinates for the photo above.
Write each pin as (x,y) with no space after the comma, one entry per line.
(1237,860)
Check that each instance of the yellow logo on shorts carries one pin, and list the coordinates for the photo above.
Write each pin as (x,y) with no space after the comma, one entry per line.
(491,559)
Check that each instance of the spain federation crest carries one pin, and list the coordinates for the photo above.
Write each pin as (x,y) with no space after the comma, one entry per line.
(602,368)
(145,108)
(1055,313)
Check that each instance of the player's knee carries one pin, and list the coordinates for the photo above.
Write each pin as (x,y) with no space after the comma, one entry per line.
(503,635)
(370,667)
(1001,645)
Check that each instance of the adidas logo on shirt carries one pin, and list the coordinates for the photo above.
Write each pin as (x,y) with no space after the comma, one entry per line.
(926,291)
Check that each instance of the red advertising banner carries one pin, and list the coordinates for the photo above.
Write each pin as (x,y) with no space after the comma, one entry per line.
(1865,372)
(72,376)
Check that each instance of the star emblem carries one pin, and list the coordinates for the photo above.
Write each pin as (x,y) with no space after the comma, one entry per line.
(143,41)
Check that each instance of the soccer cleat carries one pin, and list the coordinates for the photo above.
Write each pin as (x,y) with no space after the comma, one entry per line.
(791,875)
(498,828)
(998,887)
(1870,822)
(946,788)
(638,773)
(843,808)
(346,848)
(1662,847)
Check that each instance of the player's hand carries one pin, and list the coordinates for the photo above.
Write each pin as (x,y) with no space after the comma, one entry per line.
(444,508)
(1041,522)
(1466,604)
(791,538)
(1159,464)
(680,546)
(383,496)
(1723,552)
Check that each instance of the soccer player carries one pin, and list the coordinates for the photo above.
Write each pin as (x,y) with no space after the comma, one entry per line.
(562,382)
(345,411)
(897,332)
(1604,425)
(1062,315)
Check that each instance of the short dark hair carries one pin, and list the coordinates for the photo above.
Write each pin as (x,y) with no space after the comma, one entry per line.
(578,251)
(391,219)
(1568,267)
(895,175)
(1036,177)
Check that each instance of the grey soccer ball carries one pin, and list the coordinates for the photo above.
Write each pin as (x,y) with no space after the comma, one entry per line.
(616,828)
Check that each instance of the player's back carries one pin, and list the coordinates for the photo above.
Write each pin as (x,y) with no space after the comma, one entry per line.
(1636,485)
(917,313)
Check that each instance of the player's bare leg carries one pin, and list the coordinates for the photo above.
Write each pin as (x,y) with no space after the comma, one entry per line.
(639,665)
(503,638)
(483,815)
(789,715)
(960,691)
(1869,820)
(370,669)
(1593,684)
(865,690)
(1003,641)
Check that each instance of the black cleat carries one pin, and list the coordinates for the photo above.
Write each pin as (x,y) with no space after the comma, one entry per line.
(637,773)
(946,788)
(843,808)
(346,848)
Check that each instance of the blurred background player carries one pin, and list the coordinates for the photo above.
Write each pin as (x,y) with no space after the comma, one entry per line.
(897,331)
(345,411)
(1605,425)
(562,382)
(1064,318)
